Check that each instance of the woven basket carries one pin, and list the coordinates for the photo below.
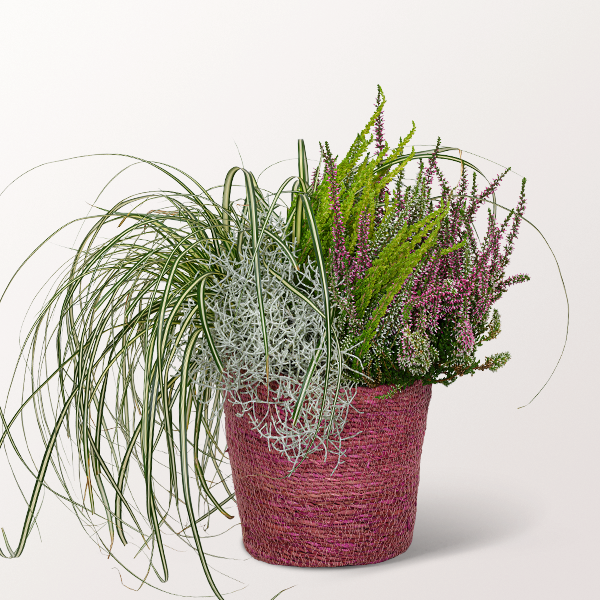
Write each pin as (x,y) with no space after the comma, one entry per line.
(363,513)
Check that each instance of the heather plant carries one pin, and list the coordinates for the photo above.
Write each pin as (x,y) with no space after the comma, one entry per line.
(444,310)
(413,285)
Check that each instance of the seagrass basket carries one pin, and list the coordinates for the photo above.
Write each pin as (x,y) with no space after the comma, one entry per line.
(362,513)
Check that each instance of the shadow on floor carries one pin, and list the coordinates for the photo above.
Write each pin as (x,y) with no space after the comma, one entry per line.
(450,523)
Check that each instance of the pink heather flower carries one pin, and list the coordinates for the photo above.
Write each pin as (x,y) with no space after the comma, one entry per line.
(381,147)
(362,259)
(466,339)
(340,256)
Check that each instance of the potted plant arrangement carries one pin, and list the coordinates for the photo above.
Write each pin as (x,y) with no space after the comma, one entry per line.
(313,320)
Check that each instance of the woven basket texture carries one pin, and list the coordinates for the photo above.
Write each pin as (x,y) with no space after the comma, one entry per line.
(363,513)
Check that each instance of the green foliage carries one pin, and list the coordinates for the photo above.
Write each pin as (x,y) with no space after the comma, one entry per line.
(446,367)
(384,280)
(361,179)
(396,245)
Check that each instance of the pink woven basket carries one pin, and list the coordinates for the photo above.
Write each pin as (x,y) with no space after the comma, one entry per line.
(362,513)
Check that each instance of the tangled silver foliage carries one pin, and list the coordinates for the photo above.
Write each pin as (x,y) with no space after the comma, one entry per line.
(296,333)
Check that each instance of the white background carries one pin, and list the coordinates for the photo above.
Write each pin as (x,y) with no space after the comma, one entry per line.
(508,503)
